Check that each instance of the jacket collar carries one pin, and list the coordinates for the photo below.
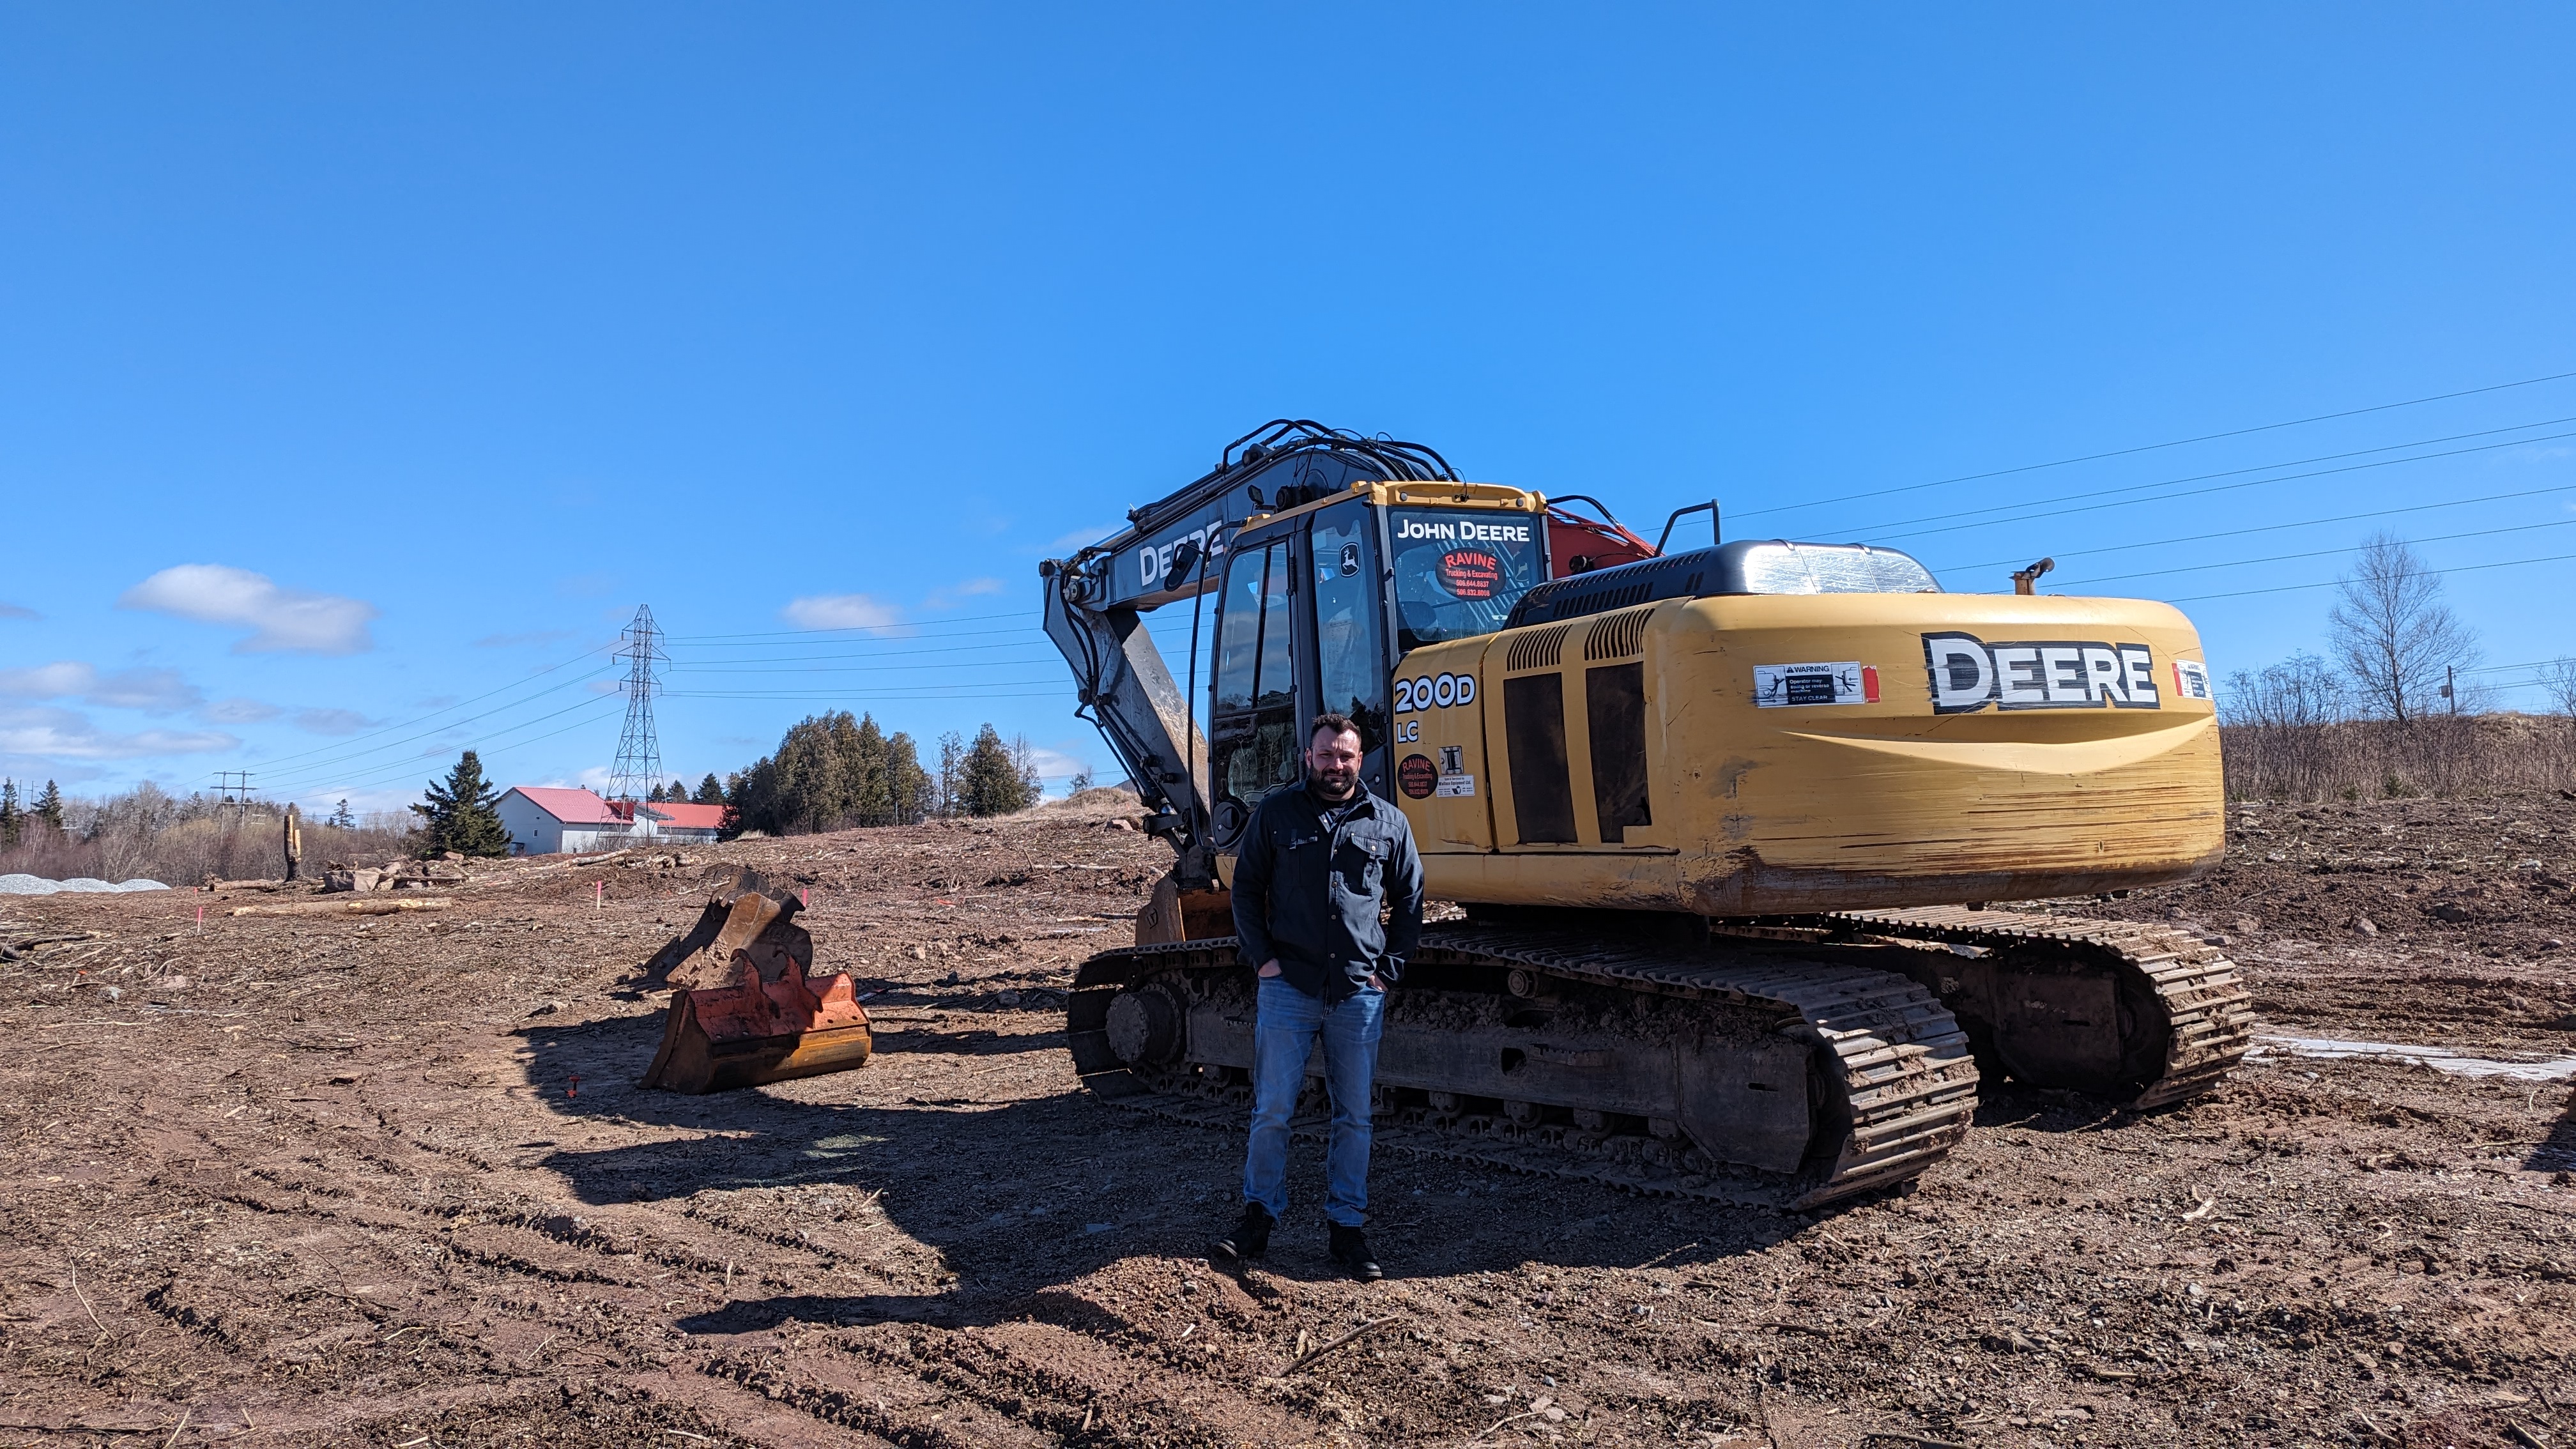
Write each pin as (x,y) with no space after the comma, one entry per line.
(1360,795)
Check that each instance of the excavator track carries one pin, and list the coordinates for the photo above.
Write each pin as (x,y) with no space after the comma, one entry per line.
(2118,1008)
(1751,1073)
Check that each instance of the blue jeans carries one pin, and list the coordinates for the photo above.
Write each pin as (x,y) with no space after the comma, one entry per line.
(1284,1030)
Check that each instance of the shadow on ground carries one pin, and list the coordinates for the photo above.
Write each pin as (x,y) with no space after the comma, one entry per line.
(1021,1197)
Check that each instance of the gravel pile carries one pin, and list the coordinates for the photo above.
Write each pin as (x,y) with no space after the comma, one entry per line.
(36,885)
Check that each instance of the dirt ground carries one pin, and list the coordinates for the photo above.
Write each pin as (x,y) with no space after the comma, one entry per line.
(388,1181)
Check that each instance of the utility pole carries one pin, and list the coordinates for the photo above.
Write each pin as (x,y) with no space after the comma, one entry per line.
(2450,690)
(639,750)
(234,788)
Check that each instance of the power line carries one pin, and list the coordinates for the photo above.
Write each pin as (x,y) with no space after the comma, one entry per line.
(929,691)
(1028,629)
(2314,553)
(721,664)
(442,709)
(2153,447)
(867,668)
(2330,583)
(2193,493)
(2265,528)
(878,629)
(481,746)
(310,769)
(2322,553)
(847,698)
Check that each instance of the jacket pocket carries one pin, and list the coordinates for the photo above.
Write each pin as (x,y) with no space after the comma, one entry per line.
(1361,864)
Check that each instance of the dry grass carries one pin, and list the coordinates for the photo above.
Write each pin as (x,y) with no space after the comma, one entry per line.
(2441,755)
(184,852)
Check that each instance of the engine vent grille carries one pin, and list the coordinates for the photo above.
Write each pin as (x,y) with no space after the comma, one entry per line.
(1616,636)
(1538,649)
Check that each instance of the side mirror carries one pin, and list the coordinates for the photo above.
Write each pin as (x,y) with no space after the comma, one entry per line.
(1185,560)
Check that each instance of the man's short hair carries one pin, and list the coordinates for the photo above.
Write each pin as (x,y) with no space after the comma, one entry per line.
(1339,724)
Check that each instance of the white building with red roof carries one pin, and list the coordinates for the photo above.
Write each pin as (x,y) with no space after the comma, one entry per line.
(545,820)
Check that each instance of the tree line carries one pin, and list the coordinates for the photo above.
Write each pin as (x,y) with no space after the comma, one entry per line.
(829,772)
(833,771)
(2390,709)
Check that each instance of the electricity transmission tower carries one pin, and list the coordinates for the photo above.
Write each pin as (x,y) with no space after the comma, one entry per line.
(639,751)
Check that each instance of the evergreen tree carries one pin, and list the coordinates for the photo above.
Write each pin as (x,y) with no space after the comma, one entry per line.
(458,815)
(910,792)
(711,791)
(995,781)
(342,818)
(11,818)
(952,776)
(49,806)
(831,772)
(654,795)
(678,794)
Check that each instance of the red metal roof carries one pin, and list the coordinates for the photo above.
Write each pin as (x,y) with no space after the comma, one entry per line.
(686,817)
(572,807)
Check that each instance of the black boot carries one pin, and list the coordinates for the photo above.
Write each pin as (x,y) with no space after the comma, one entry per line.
(1351,1250)
(1250,1239)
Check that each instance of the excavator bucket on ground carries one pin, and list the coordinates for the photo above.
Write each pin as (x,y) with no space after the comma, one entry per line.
(770,1022)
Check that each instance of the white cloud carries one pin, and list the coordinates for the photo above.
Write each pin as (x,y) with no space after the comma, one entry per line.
(843,611)
(955,594)
(18,611)
(47,681)
(159,691)
(238,711)
(63,734)
(331,721)
(1055,764)
(281,620)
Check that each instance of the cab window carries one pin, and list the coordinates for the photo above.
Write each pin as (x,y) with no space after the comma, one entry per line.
(1459,571)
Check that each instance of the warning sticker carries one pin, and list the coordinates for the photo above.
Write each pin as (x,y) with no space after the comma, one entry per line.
(1845,681)
(2191,679)
(1470,573)
(1416,776)
(1455,782)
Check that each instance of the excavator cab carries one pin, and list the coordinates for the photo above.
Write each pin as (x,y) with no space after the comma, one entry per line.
(1317,606)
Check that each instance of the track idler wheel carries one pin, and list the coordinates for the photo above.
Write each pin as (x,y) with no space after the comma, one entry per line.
(1144,1026)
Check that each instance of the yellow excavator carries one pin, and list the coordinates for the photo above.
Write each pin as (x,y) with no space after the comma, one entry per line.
(1722,830)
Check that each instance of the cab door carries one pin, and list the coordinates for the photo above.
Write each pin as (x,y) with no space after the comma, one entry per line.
(1346,631)
(1253,715)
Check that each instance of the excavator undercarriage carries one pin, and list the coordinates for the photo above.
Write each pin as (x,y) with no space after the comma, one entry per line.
(1786,1063)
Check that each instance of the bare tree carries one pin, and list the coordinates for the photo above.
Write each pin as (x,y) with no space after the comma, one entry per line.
(2393,633)
(2280,740)
(2558,681)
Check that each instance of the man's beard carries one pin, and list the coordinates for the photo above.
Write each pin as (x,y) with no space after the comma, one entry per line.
(1337,791)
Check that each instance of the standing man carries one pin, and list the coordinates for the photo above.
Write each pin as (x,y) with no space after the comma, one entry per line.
(1317,865)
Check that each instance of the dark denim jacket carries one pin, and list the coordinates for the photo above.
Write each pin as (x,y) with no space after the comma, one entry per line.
(1308,881)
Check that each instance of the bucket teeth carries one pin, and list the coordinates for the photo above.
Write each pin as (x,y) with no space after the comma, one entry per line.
(771,1021)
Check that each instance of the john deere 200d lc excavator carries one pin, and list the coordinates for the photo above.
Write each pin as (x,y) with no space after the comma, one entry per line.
(1723,822)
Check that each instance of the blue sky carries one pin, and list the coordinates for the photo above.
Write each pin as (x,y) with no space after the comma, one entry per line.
(357,364)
